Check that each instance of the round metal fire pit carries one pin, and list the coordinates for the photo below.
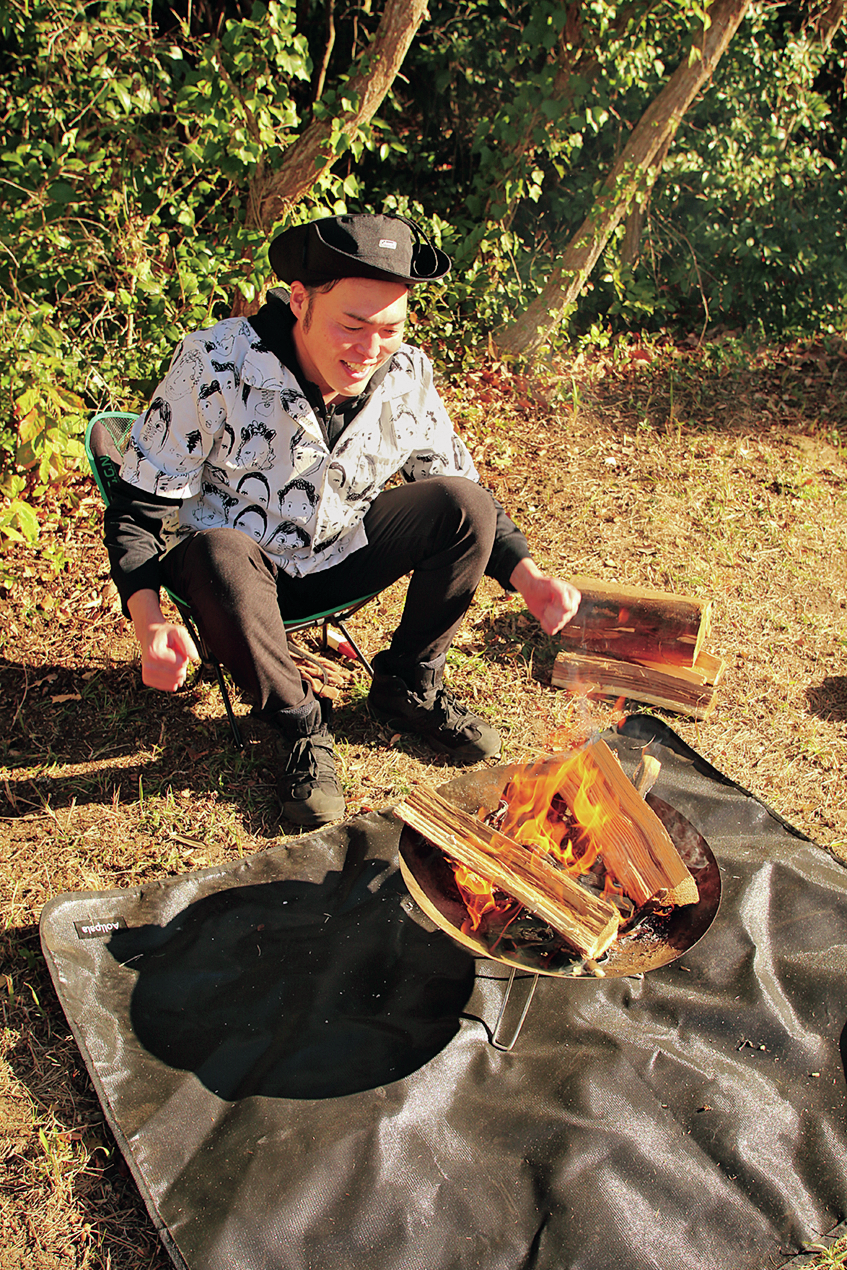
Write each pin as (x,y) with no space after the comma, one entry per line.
(529,943)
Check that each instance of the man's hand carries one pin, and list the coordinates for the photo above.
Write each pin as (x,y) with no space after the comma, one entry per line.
(550,600)
(166,648)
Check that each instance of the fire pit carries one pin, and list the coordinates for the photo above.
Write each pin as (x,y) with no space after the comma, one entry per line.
(526,942)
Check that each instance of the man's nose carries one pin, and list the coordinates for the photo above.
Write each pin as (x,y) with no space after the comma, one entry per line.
(368,345)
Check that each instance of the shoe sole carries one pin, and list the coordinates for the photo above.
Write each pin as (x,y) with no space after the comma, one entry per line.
(310,820)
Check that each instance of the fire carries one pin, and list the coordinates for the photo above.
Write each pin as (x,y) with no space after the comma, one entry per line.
(535,814)
(539,818)
(477,893)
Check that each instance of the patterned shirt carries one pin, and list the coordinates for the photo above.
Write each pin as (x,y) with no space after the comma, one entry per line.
(230,436)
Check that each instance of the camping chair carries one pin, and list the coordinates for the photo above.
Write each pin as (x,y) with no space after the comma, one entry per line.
(105,442)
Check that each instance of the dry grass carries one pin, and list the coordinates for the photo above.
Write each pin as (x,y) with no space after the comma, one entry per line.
(695,471)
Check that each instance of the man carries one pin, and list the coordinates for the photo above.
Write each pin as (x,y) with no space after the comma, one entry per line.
(254,487)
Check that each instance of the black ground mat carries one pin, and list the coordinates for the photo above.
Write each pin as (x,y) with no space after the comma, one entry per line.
(297,1067)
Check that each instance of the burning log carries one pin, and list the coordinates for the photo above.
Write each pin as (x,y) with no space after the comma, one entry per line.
(638,624)
(688,690)
(636,848)
(575,818)
(589,923)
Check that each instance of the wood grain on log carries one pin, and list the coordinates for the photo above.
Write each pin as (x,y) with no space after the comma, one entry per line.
(689,690)
(587,922)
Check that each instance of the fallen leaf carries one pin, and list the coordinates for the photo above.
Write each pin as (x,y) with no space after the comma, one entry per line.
(65,696)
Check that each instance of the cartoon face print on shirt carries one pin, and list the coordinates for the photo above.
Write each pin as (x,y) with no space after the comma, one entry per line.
(288,537)
(297,500)
(185,373)
(293,402)
(227,375)
(216,506)
(156,425)
(262,403)
(356,486)
(169,482)
(211,407)
(222,346)
(179,463)
(225,443)
(253,521)
(404,427)
(254,485)
(306,453)
(422,465)
(256,448)
(403,362)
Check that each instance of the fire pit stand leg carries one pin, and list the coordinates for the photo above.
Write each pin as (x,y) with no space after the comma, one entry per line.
(497,1036)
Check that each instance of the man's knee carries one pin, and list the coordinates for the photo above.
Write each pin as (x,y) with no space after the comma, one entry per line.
(471,507)
(225,557)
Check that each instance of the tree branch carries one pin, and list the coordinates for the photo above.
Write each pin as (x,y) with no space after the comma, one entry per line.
(274,194)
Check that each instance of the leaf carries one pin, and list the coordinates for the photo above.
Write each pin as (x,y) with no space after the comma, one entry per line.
(62,192)
(65,696)
(22,515)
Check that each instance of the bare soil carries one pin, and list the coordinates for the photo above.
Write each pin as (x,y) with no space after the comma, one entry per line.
(693,469)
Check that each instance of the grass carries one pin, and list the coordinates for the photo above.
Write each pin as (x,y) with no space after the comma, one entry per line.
(710,471)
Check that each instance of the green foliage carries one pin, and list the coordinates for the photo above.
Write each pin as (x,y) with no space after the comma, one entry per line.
(747,223)
(131,140)
(124,178)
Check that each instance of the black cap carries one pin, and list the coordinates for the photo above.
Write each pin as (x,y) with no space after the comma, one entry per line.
(392,248)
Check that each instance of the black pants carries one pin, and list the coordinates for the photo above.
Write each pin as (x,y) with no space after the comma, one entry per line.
(441,530)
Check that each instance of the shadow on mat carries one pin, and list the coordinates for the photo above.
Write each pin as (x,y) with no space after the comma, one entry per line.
(293,989)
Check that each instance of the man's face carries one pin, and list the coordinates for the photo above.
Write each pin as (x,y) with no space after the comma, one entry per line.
(342,336)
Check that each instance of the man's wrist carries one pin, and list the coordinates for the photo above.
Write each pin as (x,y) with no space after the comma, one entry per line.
(525,572)
(145,610)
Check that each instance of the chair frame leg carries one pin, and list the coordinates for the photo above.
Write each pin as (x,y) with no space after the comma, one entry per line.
(341,626)
(209,660)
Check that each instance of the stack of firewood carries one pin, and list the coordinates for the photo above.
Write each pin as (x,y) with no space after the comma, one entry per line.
(647,646)
(327,676)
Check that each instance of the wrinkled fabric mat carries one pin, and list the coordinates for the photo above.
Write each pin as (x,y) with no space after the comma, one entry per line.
(297,1067)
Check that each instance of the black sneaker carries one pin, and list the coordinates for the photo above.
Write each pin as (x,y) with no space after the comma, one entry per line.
(428,710)
(308,784)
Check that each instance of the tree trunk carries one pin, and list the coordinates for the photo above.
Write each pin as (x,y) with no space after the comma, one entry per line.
(632,177)
(275,193)
(826,23)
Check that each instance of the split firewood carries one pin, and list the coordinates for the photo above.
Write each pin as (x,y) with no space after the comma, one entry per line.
(657,619)
(687,690)
(589,924)
(646,774)
(637,849)
(630,646)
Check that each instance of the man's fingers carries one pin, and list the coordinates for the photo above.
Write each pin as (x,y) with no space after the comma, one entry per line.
(165,664)
(182,641)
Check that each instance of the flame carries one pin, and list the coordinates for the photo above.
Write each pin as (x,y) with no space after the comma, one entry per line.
(538,816)
(477,893)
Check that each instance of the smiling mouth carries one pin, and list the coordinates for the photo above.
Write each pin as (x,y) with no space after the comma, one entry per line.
(359,368)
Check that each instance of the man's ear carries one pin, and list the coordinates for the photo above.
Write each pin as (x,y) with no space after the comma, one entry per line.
(298,299)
